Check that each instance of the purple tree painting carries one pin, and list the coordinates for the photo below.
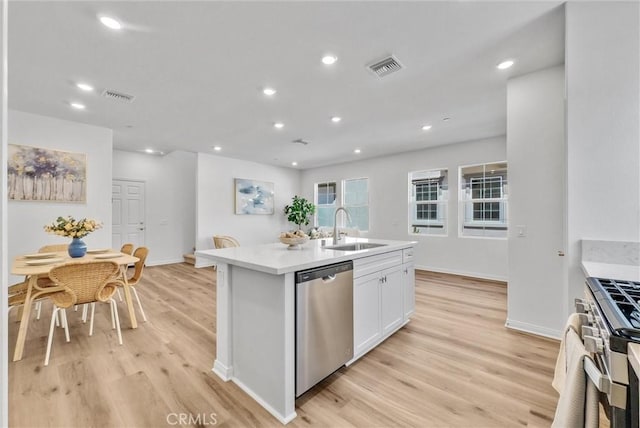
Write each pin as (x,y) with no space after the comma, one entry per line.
(37,174)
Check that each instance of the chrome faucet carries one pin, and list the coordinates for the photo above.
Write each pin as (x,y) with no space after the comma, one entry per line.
(336,237)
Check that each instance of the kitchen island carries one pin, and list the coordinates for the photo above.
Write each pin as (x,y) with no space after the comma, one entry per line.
(256,304)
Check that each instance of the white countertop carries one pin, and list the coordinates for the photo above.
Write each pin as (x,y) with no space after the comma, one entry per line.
(611,259)
(277,259)
(611,271)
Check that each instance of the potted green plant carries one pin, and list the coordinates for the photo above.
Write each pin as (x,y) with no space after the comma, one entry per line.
(299,211)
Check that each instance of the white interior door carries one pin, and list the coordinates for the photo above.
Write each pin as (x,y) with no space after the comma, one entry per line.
(127,203)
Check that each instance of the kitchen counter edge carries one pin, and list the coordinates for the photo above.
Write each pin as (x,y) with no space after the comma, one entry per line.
(277,259)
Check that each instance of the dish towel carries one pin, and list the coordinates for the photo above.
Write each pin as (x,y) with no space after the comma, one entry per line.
(578,403)
(573,323)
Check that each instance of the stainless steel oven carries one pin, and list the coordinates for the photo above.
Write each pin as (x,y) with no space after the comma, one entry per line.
(610,315)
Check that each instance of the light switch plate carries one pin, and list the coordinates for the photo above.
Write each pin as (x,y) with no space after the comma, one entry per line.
(522,231)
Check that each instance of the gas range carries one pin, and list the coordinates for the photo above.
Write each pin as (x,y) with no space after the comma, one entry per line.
(619,302)
(610,315)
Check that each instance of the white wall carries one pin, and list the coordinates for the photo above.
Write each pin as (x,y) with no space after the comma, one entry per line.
(170,200)
(26,219)
(603,135)
(215,201)
(4,261)
(388,205)
(536,157)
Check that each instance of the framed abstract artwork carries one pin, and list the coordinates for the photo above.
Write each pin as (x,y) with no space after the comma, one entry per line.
(37,174)
(253,196)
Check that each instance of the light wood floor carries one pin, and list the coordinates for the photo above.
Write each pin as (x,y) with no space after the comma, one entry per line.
(454,364)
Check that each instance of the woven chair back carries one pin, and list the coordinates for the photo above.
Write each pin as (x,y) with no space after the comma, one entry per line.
(141,253)
(221,241)
(53,248)
(84,282)
(127,249)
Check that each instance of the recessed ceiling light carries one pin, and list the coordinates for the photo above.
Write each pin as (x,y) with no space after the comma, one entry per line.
(426,127)
(505,64)
(336,119)
(217,148)
(78,106)
(85,87)
(329,59)
(110,22)
(356,151)
(149,150)
(294,163)
(278,125)
(269,91)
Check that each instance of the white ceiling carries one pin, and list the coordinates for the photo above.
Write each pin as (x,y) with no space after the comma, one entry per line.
(197,70)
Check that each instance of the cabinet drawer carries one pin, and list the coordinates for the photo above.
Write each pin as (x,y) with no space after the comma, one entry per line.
(407,255)
(371,264)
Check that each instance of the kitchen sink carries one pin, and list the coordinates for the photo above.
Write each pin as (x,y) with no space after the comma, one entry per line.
(356,246)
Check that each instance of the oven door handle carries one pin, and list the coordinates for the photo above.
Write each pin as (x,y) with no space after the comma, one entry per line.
(616,393)
(599,380)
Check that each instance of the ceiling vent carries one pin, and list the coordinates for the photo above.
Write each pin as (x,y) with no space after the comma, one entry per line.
(300,141)
(385,67)
(118,96)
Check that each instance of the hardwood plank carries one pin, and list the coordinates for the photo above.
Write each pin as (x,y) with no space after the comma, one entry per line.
(454,364)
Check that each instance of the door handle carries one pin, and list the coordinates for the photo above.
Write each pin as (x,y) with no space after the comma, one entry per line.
(329,278)
(560,253)
(142,228)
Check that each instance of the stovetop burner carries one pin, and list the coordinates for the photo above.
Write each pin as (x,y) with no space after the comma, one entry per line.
(620,303)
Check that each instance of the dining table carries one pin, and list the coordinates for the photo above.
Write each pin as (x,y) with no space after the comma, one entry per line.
(35,265)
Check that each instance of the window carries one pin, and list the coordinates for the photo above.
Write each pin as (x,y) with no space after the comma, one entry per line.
(428,202)
(483,194)
(355,198)
(325,194)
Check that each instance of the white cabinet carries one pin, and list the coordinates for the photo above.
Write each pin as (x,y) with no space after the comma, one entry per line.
(379,300)
(391,300)
(409,289)
(366,313)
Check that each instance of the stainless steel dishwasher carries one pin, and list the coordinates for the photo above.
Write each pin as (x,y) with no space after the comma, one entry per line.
(324,322)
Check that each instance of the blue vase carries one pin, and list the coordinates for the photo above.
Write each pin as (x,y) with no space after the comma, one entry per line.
(77,248)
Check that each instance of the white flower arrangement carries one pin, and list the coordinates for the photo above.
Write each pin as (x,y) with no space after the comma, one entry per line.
(68,226)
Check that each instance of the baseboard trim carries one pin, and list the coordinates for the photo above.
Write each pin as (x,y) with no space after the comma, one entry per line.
(201,263)
(533,329)
(463,273)
(284,419)
(222,371)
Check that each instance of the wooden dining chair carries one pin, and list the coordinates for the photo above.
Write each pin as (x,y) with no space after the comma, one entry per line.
(43,280)
(223,241)
(141,253)
(127,249)
(53,248)
(83,283)
(17,294)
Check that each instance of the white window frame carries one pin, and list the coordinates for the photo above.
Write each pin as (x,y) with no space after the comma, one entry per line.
(315,199)
(496,229)
(432,227)
(343,220)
